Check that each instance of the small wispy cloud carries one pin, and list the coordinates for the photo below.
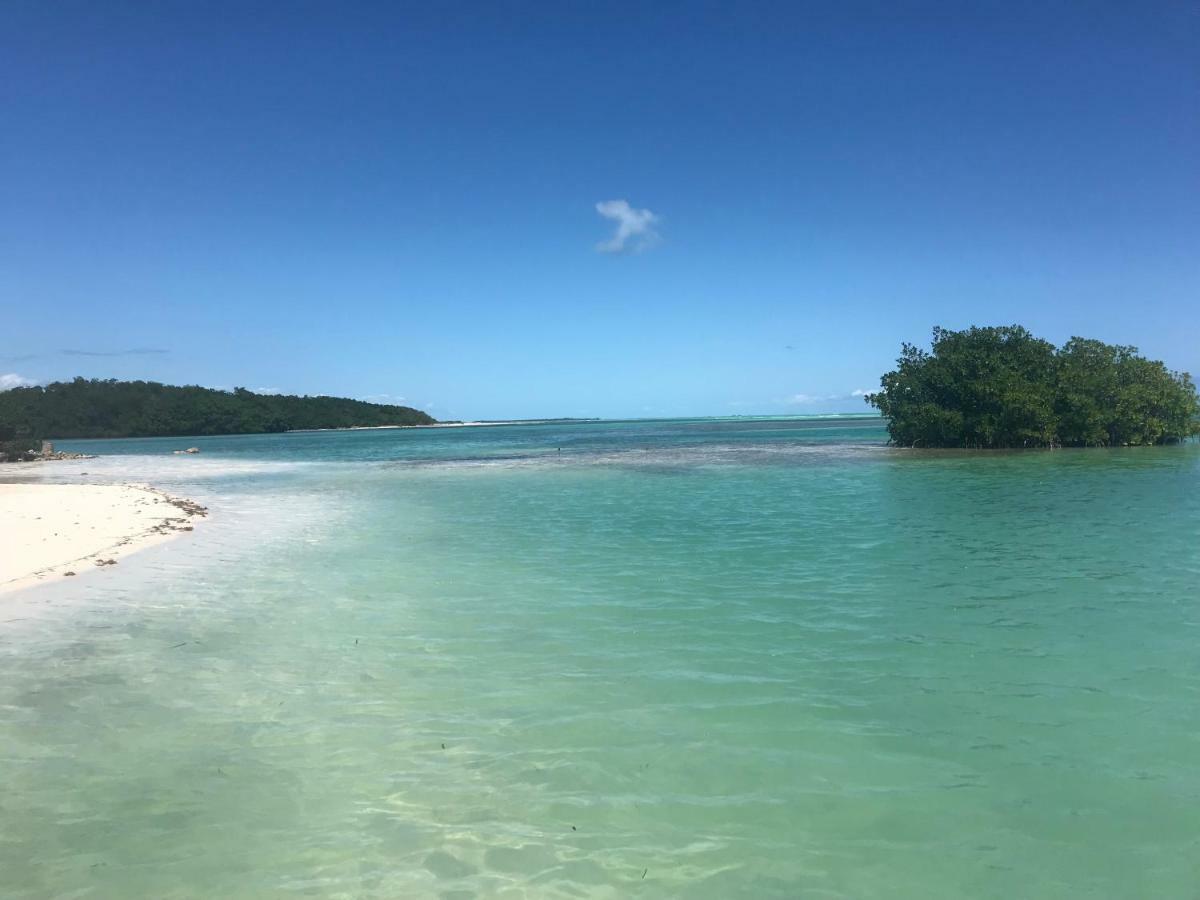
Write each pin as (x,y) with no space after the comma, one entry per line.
(136,351)
(266,390)
(384,398)
(13,380)
(635,227)
(807,399)
(803,399)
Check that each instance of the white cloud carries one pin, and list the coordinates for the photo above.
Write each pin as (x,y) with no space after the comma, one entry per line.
(808,399)
(13,380)
(267,390)
(384,398)
(635,227)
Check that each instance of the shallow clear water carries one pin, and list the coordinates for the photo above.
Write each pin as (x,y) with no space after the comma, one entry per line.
(709,659)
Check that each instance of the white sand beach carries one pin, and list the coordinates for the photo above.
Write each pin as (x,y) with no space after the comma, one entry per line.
(54,531)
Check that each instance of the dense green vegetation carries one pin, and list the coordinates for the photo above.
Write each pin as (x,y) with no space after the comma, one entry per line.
(97,408)
(1003,387)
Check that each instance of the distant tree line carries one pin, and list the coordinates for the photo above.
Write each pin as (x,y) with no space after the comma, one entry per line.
(97,408)
(1003,387)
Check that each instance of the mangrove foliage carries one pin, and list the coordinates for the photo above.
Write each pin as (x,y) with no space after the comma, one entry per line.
(1001,387)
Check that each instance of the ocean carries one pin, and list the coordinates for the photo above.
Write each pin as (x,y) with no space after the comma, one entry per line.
(709,658)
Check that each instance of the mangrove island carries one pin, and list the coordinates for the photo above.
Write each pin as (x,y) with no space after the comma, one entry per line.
(1001,387)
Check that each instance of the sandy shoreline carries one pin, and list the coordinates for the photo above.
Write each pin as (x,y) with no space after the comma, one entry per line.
(50,530)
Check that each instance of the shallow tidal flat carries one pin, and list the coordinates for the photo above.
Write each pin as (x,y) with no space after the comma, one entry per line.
(749,658)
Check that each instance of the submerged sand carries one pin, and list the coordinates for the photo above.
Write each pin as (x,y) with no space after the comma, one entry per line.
(54,531)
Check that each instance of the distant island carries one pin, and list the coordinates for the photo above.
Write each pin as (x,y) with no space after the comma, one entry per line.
(96,408)
(1001,387)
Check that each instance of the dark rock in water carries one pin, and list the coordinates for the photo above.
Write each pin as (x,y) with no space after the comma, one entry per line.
(26,449)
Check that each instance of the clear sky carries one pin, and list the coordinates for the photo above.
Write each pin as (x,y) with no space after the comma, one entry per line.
(423,200)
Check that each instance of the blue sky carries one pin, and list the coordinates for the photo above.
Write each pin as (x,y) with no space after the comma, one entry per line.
(422,201)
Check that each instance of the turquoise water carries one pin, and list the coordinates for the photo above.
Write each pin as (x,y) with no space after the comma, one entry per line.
(704,659)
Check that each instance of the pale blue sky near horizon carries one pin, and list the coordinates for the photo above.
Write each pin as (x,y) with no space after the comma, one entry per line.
(393,200)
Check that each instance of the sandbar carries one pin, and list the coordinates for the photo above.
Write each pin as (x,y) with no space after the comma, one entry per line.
(53,531)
